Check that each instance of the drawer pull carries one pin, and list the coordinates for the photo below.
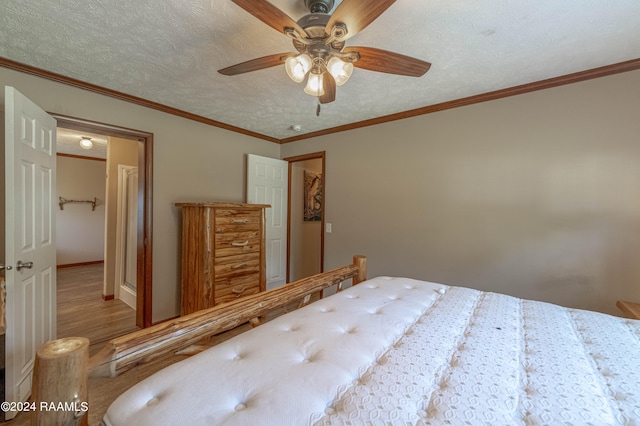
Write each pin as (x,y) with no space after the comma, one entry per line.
(238,292)
(239,220)
(238,266)
(242,244)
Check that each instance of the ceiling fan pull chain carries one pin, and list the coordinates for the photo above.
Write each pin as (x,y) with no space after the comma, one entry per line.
(318,110)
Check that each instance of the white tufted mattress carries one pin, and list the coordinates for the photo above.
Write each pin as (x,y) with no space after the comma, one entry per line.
(403,352)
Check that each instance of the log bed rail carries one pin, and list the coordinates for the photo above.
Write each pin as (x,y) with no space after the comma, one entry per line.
(63,365)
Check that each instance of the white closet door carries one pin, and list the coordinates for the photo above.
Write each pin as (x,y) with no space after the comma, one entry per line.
(267,183)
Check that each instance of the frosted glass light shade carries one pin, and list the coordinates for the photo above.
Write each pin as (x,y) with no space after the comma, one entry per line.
(340,70)
(298,66)
(86,143)
(314,85)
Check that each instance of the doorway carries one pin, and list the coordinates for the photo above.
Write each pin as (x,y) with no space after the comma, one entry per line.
(306,218)
(143,258)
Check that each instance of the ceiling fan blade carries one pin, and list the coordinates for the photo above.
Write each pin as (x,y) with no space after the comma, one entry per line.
(357,15)
(329,85)
(270,15)
(256,64)
(379,60)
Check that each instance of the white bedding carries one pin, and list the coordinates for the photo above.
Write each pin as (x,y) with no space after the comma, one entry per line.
(401,351)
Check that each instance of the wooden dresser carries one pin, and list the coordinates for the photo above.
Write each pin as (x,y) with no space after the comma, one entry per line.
(223,253)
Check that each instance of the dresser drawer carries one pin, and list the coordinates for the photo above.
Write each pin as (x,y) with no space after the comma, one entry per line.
(233,266)
(234,287)
(231,220)
(233,243)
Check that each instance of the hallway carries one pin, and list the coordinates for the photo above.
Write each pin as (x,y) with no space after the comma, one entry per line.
(83,312)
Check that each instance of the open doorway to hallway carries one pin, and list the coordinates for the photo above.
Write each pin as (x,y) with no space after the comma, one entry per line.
(125,254)
(94,257)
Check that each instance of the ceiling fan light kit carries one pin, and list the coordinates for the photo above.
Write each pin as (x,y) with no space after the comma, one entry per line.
(340,70)
(319,38)
(297,67)
(315,84)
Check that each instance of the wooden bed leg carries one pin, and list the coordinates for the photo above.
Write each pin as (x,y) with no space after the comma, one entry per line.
(361,263)
(59,389)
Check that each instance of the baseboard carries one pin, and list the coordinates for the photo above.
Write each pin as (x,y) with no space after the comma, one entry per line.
(71,265)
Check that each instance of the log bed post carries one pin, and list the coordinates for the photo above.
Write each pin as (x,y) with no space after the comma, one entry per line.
(60,391)
(361,263)
(63,366)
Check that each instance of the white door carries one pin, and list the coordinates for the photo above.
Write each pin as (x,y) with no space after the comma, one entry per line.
(30,250)
(127,238)
(267,180)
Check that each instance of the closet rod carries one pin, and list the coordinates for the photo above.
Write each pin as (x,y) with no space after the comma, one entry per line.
(64,201)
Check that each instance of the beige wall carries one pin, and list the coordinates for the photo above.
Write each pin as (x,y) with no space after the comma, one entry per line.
(213,157)
(535,195)
(80,230)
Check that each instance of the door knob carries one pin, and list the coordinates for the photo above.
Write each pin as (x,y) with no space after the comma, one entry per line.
(26,265)
(8,267)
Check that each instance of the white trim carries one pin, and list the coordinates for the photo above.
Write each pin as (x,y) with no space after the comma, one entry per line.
(122,292)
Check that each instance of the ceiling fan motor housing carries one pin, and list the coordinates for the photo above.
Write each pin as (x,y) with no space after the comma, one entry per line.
(314,25)
(319,6)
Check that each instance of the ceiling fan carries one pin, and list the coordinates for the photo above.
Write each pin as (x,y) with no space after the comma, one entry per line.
(319,38)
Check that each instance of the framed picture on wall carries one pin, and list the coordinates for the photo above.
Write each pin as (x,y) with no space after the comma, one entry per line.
(312,196)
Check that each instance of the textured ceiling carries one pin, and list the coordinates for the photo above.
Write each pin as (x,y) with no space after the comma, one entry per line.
(169,51)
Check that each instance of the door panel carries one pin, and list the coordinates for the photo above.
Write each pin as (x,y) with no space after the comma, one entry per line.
(267,180)
(29,210)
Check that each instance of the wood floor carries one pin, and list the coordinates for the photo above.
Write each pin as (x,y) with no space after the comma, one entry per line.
(82,312)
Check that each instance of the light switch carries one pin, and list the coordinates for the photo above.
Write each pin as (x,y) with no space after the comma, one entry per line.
(327,227)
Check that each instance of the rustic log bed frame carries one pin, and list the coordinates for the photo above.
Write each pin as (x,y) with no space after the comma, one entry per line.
(63,366)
